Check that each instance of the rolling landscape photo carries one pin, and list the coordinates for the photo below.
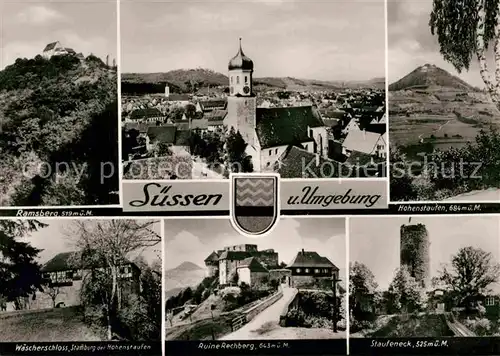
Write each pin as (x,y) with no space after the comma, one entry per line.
(58,104)
(244,88)
(444,112)
(80,280)
(224,286)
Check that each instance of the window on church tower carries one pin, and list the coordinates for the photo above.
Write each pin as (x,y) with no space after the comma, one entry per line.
(238,79)
(246,79)
(232,90)
(231,79)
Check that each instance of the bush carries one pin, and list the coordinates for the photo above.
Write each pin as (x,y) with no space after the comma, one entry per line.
(48,111)
(480,326)
(295,318)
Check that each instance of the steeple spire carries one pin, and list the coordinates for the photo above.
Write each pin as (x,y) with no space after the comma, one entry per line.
(240,61)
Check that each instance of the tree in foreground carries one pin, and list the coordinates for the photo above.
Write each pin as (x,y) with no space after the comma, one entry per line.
(20,274)
(362,287)
(237,159)
(405,293)
(466,30)
(470,275)
(109,243)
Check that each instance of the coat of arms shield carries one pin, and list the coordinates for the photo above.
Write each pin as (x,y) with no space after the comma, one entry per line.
(255,202)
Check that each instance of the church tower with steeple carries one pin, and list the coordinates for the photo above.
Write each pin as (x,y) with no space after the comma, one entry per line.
(242,103)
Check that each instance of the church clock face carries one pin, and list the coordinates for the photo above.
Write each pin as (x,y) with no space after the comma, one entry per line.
(246,89)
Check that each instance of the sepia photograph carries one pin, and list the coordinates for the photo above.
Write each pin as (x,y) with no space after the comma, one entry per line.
(59,104)
(214,88)
(444,100)
(64,280)
(289,285)
(432,276)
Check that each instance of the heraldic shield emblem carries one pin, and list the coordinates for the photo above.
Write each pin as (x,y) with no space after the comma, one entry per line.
(255,202)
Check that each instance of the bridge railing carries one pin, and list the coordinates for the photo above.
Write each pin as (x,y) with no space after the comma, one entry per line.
(238,322)
(246,316)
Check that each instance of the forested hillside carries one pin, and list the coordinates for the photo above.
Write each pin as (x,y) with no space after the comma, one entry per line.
(59,132)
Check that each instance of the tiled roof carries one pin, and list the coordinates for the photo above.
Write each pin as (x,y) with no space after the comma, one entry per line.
(199,124)
(252,264)
(70,50)
(285,126)
(311,259)
(211,104)
(164,134)
(330,122)
(145,113)
(142,127)
(215,122)
(293,161)
(212,257)
(178,97)
(361,141)
(217,115)
(332,113)
(65,261)
(182,125)
(61,262)
(50,46)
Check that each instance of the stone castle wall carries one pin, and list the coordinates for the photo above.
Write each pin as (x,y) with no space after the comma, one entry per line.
(415,252)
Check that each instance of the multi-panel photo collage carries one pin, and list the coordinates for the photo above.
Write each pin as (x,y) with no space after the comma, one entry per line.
(249,177)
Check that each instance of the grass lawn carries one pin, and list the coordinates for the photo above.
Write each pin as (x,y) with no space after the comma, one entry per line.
(61,324)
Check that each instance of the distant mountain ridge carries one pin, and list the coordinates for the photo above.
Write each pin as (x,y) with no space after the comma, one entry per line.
(183,79)
(429,75)
(187,266)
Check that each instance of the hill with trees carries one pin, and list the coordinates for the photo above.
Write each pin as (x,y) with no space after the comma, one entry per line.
(59,132)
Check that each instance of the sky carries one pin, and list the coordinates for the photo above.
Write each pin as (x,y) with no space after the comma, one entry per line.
(87,26)
(57,237)
(375,241)
(192,240)
(411,43)
(323,40)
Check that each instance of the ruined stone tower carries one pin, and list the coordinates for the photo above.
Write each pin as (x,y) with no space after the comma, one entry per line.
(415,252)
